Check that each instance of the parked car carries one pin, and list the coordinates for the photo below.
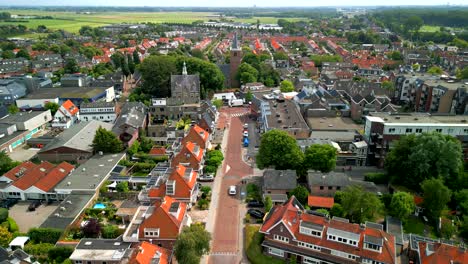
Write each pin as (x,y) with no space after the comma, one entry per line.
(35,204)
(246,134)
(255,213)
(246,125)
(206,177)
(232,190)
(8,203)
(255,203)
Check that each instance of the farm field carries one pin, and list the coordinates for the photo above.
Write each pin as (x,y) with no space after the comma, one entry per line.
(72,21)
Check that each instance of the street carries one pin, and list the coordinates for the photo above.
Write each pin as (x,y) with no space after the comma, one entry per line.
(226,220)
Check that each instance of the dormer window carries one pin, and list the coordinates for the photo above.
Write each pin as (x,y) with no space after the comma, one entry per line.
(170,187)
(373,243)
(151,232)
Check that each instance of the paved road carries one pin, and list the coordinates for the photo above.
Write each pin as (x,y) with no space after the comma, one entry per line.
(227,231)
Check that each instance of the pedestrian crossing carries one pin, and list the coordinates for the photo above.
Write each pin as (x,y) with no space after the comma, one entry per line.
(239,114)
(223,254)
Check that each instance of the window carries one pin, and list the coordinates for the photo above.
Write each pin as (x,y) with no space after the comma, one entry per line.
(439,130)
(418,130)
(338,188)
(277,252)
(151,232)
(307,245)
(352,257)
(281,238)
(78,262)
(321,187)
(450,130)
(310,261)
(391,130)
(330,187)
(372,247)
(409,130)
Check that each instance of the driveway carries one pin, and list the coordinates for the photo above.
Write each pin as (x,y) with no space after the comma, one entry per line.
(23,153)
(226,220)
(26,220)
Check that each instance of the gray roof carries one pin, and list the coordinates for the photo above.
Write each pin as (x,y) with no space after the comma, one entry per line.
(73,205)
(67,92)
(102,244)
(327,179)
(276,197)
(279,179)
(188,83)
(132,114)
(373,240)
(394,227)
(90,175)
(311,225)
(99,104)
(79,136)
(21,117)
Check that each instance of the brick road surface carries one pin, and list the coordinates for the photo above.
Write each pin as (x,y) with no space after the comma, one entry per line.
(227,231)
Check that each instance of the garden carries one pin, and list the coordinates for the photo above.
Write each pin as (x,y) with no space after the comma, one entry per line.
(205,199)
(253,245)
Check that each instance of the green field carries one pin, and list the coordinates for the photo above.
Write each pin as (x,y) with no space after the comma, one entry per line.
(427,28)
(72,22)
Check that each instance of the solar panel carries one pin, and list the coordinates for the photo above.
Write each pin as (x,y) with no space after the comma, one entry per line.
(374,225)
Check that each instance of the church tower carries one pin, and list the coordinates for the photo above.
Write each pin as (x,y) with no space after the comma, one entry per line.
(236,57)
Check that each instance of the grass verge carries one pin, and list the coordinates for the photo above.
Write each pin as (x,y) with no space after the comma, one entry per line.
(253,241)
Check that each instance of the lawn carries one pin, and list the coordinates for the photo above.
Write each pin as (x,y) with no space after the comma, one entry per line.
(253,241)
(414,225)
(427,28)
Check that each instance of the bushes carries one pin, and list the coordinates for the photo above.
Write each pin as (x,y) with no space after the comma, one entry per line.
(110,231)
(253,241)
(39,251)
(203,204)
(59,254)
(253,192)
(376,177)
(44,235)
(13,226)
(3,215)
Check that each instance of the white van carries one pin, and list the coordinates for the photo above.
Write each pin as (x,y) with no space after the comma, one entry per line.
(232,190)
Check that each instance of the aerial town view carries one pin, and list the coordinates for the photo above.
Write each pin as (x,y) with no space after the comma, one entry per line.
(203,132)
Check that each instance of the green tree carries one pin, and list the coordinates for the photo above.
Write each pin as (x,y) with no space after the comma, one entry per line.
(414,158)
(279,150)
(8,54)
(320,157)
(461,200)
(286,86)
(268,204)
(248,96)
(337,210)
(53,107)
(192,243)
(447,230)
(280,56)
(39,251)
(40,46)
(6,163)
(436,196)
(156,73)
(435,70)
(388,85)
(247,77)
(360,206)
(247,73)
(396,55)
(413,23)
(218,103)
(131,64)
(197,53)
(44,235)
(146,144)
(133,149)
(117,59)
(106,141)
(13,109)
(5,237)
(402,205)
(301,193)
(136,57)
(463,74)
(122,187)
(71,66)
(22,53)
(110,231)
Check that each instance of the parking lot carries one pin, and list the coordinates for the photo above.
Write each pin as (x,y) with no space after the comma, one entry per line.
(27,220)
(23,153)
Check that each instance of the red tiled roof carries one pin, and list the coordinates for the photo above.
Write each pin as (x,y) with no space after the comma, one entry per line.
(418,200)
(190,146)
(442,253)
(25,167)
(319,201)
(157,151)
(168,224)
(56,175)
(148,251)
(70,107)
(33,176)
(184,185)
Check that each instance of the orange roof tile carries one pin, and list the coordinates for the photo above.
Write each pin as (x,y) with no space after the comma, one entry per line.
(70,107)
(158,151)
(442,254)
(319,201)
(149,251)
(33,176)
(24,167)
(56,175)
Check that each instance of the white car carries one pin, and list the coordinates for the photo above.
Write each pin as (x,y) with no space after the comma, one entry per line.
(246,125)
(246,134)
(232,190)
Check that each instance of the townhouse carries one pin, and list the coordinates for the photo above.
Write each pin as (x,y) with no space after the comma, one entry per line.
(10,90)
(100,111)
(159,223)
(149,253)
(109,251)
(424,250)
(290,231)
(34,181)
(132,119)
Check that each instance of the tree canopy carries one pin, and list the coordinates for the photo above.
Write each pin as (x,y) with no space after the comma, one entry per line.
(414,158)
(436,196)
(192,243)
(301,193)
(286,86)
(360,206)
(106,141)
(320,157)
(402,205)
(279,150)
(6,163)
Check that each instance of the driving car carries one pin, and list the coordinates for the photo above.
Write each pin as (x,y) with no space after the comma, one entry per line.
(255,203)
(255,213)
(206,177)
(232,190)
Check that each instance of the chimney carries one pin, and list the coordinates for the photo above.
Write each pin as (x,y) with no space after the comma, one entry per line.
(151,240)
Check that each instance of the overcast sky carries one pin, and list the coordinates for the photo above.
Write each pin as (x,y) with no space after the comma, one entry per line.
(232,3)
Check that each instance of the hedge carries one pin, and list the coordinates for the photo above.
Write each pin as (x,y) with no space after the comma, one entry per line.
(44,235)
(376,177)
(13,225)
(3,214)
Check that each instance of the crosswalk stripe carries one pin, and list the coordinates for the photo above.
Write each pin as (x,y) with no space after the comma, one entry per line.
(223,254)
(240,114)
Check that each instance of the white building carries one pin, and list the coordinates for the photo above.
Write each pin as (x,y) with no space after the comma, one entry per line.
(67,115)
(101,111)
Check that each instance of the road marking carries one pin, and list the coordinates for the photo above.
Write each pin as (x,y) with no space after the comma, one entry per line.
(227,169)
(223,254)
(240,114)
